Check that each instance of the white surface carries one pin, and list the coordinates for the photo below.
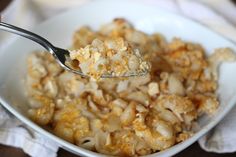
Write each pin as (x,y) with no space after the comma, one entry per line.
(225,7)
(49,8)
(145,18)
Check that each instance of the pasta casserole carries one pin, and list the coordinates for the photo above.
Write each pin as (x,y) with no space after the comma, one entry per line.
(126,116)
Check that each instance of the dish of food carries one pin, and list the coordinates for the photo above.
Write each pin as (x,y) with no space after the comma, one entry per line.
(175,136)
(125,116)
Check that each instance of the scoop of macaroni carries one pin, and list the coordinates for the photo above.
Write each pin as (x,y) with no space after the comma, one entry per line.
(113,56)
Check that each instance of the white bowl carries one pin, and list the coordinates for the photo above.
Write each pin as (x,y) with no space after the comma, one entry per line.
(149,19)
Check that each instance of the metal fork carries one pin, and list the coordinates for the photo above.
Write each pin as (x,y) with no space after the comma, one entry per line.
(58,53)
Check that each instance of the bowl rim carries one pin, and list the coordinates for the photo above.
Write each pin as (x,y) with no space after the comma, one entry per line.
(78,150)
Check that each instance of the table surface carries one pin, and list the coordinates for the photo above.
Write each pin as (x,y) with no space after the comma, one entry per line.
(192,151)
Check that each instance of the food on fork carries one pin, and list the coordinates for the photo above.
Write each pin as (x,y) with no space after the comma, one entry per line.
(113,56)
(126,116)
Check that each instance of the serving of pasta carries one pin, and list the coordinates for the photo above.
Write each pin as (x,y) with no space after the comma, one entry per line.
(113,56)
(126,116)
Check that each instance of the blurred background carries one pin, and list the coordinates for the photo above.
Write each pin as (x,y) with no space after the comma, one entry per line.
(29,13)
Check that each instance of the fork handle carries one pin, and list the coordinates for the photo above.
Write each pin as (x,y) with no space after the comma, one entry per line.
(29,35)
